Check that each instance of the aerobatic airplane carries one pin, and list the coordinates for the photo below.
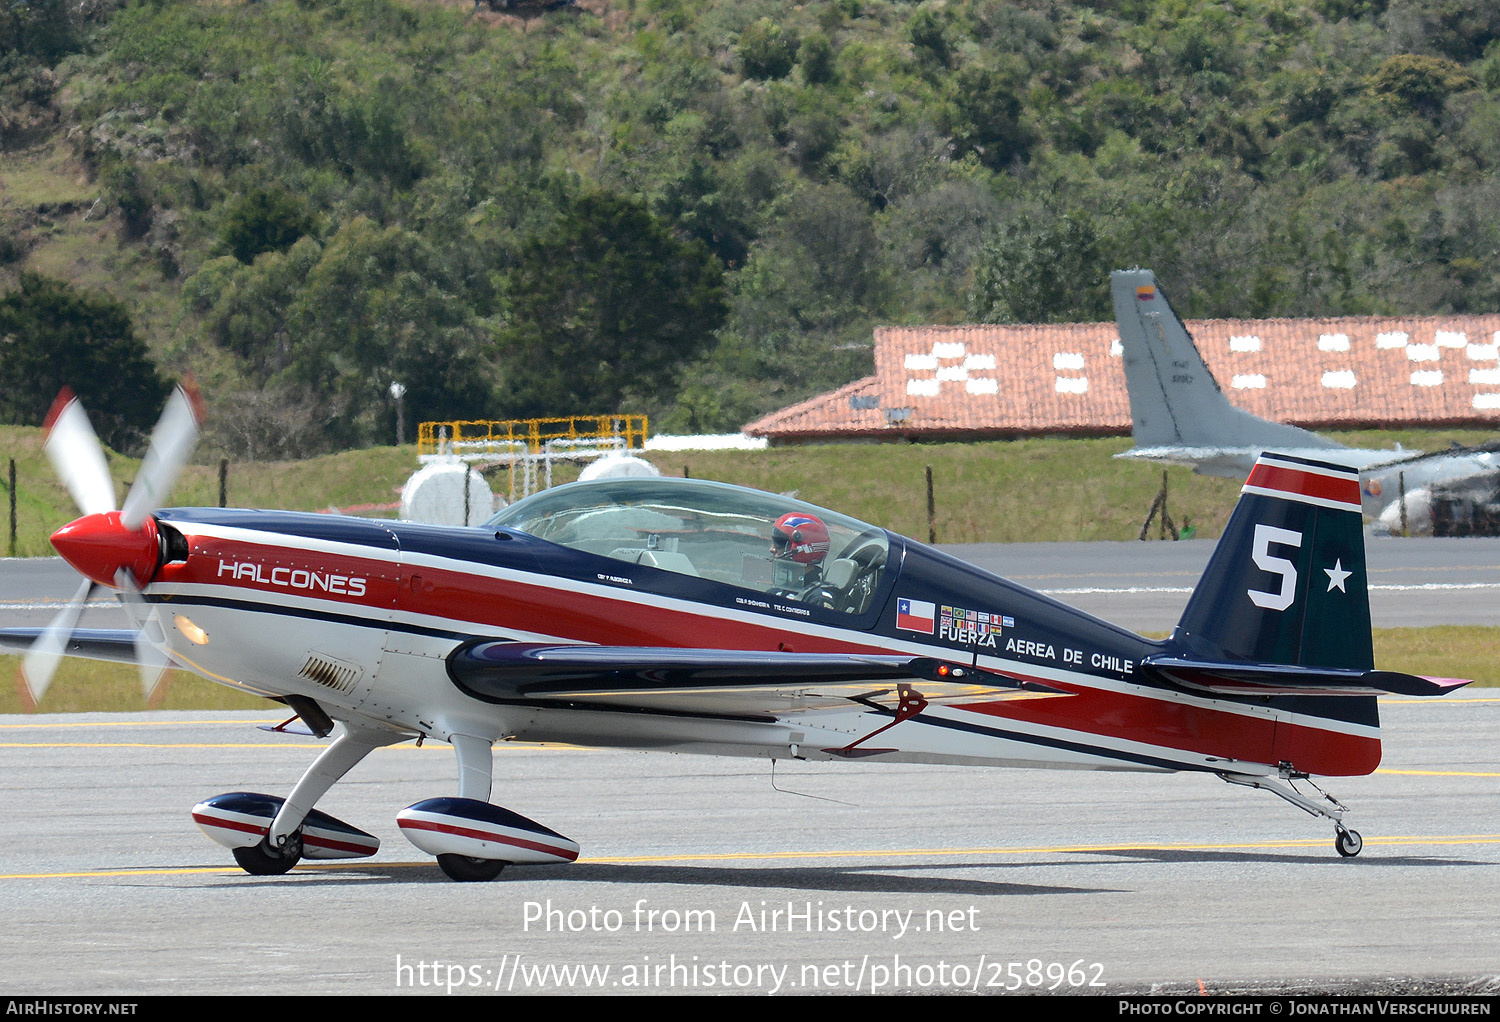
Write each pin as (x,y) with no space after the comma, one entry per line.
(691,616)
(1180,416)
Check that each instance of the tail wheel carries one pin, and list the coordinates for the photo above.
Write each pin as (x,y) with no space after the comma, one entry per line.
(466,869)
(264,861)
(1348,842)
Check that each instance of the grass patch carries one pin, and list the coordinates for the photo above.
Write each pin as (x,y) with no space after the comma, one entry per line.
(1043,489)
(45,177)
(1411,440)
(372,476)
(1036,489)
(91,686)
(1443,651)
(42,504)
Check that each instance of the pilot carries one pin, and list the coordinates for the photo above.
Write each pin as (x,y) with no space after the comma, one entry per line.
(799,543)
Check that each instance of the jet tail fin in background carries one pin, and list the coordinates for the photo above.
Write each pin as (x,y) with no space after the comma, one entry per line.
(1175,402)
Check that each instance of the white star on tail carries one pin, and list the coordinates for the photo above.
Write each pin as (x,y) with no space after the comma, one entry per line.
(1337,575)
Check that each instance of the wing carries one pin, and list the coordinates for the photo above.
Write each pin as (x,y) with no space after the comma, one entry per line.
(714,681)
(113,644)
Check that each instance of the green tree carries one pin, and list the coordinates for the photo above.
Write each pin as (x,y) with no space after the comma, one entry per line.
(927,31)
(606,304)
(53,335)
(44,29)
(1049,270)
(343,321)
(816,56)
(265,220)
(767,51)
(801,310)
(1422,82)
(987,116)
(1461,29)
(381,306)
(708,207)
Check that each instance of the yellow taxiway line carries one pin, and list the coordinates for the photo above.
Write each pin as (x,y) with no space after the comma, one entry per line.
(901,853)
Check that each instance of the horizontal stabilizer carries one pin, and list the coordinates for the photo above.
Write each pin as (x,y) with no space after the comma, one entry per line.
(710,680)
(116,645)
(1276,679)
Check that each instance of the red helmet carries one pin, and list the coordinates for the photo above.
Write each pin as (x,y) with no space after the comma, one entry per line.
(799,537)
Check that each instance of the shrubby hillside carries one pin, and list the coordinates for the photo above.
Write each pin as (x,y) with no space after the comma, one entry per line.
(700,208)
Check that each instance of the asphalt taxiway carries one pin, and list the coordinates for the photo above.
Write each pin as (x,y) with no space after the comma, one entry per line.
(1143,586)
(706,875)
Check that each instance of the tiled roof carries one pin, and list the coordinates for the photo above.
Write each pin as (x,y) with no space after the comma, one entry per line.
(977,381)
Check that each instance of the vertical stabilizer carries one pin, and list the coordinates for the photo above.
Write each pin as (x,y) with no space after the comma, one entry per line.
(1174,399)
(1286,584)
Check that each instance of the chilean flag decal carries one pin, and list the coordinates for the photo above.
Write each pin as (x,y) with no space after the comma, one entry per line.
(914,615)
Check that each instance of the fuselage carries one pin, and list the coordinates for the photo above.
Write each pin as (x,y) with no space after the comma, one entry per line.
(361,615)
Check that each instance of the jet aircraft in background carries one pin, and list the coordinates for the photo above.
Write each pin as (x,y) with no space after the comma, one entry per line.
(1181,416)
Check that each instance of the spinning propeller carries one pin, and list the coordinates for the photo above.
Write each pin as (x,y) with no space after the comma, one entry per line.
(115,548)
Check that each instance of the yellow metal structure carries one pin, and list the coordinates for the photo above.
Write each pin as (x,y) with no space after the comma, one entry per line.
(527,436)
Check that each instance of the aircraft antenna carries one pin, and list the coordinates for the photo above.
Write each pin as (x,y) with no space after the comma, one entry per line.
(805,794)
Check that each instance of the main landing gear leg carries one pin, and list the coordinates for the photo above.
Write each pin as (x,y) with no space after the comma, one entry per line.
(476,768)
(1348,842)
(281,848)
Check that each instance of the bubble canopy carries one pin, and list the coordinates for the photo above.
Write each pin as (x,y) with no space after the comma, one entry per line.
(711,531)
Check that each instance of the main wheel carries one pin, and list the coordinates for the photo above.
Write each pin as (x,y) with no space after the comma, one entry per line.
(1348,842)
(264,861)
(465,869)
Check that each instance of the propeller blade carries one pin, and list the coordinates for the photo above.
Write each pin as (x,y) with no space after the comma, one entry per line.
(77,456)
(153,669)
(47,652)
(150,661)
(171,445)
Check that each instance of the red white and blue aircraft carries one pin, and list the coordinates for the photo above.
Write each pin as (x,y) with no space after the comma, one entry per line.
(691,616)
